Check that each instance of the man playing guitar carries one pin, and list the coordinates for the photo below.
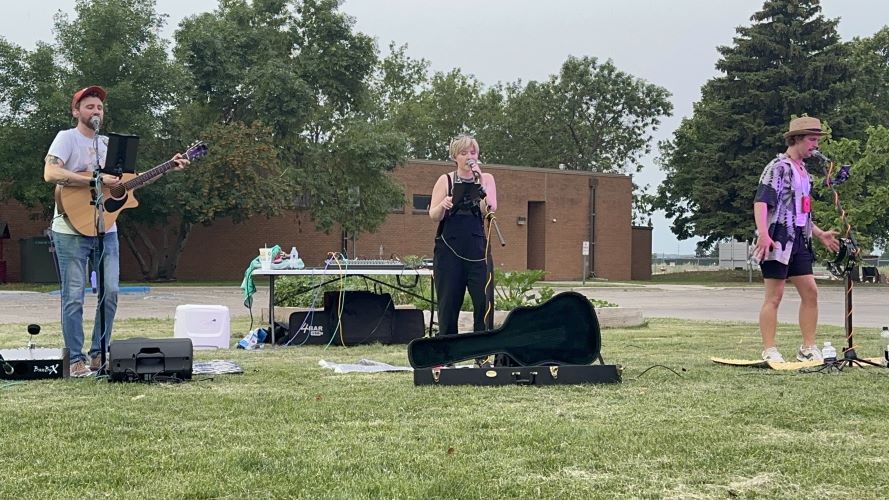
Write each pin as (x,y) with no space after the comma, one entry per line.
(73,152)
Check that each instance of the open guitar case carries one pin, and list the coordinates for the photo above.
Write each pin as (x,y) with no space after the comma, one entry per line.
(553,343)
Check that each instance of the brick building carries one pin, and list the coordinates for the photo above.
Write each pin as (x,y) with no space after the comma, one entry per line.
(545,215)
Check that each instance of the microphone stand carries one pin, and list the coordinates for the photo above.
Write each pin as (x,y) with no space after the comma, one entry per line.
(490,215)
(847,258)
(493,221)
(98,200)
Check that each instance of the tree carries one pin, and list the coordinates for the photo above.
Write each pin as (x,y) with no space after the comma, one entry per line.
(591,116)
(111,42)
(235,180)
(868,97)
(298,68)
(865,196)
(788,62)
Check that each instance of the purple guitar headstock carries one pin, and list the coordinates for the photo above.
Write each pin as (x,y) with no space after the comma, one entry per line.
(196,150)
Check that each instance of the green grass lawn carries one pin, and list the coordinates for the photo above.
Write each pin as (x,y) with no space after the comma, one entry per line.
(287,428)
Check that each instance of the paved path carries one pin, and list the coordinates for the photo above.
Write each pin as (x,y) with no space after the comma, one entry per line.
(159,302)
(871,304)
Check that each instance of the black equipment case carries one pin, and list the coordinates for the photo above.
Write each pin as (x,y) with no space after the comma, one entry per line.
(553,343)
(520,375)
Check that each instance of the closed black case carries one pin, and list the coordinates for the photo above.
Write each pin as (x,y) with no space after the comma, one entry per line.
(520,375)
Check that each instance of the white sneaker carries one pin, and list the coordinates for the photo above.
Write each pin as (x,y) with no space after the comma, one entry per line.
(809,353)
(772,354)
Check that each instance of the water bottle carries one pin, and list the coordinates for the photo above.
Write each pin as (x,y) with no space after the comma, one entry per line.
(829,353)
(885,333)
(294,257)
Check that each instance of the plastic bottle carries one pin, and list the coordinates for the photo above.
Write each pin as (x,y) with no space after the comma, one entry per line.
(829,353)
(885,333)
(294,257)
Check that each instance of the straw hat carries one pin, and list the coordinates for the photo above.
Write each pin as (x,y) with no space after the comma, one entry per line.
(804,125)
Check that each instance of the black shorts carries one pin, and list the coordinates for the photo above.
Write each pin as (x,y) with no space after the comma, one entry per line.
(800,263)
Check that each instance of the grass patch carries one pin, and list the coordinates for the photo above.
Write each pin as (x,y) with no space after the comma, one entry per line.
(287,428)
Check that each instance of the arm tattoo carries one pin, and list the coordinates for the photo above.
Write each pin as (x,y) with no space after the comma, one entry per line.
(57,162)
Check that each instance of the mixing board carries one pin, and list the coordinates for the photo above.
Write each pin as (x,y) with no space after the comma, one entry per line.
(365,264)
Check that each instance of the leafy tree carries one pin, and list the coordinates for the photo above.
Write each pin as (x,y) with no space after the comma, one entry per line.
(591,116)
(111,42)
(787,62)
(298,68)
(236,180)
(865,196)
(868,100)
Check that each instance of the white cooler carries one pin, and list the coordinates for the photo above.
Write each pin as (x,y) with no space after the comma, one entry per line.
(206,326)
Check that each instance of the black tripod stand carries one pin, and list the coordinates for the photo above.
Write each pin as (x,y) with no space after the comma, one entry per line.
(850,357)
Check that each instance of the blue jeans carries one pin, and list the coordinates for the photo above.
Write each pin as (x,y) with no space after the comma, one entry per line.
(73,252)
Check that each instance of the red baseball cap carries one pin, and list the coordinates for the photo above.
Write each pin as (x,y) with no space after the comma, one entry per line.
(93,90)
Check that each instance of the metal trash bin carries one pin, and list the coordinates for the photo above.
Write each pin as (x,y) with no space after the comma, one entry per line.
(38,260)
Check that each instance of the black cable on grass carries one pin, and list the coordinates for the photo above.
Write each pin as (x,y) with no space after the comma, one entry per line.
(658,366)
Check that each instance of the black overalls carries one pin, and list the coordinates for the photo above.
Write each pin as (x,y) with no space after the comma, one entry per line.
(459,263)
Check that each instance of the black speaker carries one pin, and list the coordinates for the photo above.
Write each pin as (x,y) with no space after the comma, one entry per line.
(366,317)
(149,360)
(409,325)
(307,328)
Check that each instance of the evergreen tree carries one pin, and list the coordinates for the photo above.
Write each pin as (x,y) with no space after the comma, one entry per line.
(787,62)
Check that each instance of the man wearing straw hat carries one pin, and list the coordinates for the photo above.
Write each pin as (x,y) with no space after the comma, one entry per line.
(782,209)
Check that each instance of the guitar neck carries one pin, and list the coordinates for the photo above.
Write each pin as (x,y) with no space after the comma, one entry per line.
(141,179)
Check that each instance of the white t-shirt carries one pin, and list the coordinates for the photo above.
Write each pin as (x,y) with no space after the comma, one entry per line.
(78,153)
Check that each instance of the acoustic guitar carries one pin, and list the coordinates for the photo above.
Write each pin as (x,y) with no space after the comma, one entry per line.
(562,331)
(76,202)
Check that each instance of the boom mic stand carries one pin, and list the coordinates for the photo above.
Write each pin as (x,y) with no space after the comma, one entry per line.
(848,256)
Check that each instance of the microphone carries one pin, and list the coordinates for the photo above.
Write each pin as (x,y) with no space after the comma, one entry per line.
(820,156)
(95,122)
(473,166)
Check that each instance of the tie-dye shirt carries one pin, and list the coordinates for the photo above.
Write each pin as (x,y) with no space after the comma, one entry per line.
(776,191)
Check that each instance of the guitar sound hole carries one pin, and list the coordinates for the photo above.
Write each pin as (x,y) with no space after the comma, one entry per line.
(117,192)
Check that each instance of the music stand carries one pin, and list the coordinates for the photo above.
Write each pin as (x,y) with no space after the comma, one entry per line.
(121,157)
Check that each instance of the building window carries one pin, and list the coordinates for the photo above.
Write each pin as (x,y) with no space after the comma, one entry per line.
(421,203)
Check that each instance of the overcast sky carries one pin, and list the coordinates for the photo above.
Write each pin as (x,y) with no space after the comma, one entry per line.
(671,43)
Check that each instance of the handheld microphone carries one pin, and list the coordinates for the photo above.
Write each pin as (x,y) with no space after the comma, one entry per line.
(95,122)
(473,166)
